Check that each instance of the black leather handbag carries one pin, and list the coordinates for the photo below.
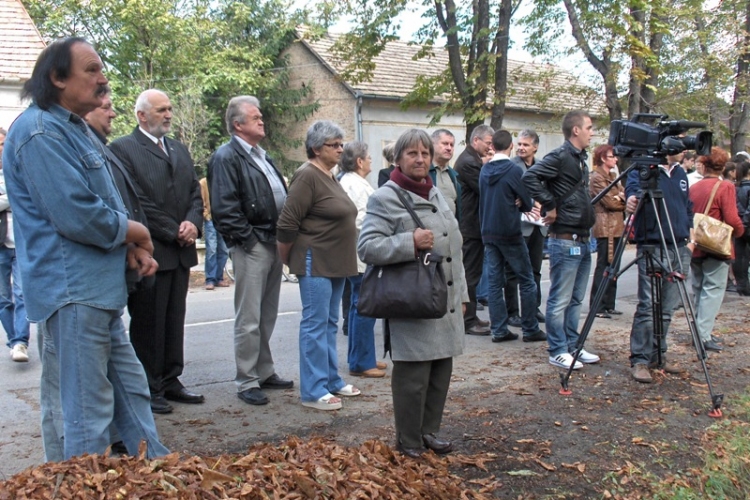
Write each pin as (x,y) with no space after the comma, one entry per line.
(415,289)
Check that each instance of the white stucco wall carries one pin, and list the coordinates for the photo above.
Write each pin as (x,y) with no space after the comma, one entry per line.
(10,104)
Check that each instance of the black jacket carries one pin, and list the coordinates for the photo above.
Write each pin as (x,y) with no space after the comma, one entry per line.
(129,194)
(243,208)
(468,165)
(561,181)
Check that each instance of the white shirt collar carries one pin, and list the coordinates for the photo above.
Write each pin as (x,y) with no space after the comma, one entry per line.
(500,156)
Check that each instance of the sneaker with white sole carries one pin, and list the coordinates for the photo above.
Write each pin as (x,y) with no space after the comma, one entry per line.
(587,357)
(564,360)
(19,353)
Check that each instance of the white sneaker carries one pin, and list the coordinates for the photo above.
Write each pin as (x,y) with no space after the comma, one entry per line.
(19,353)
(587,357)
(564,360)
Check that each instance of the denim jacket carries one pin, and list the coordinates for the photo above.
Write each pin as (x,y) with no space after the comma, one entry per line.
(69,219)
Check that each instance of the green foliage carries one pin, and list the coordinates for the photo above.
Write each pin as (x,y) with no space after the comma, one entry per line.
(200,52)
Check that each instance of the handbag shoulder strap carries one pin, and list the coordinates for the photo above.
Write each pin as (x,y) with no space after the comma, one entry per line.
(407,206)
(711,199)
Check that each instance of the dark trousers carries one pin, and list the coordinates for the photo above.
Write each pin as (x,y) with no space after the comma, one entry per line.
(602,261)
(535,245)
(157,328)
(741,263)
(473,251)
(419,391)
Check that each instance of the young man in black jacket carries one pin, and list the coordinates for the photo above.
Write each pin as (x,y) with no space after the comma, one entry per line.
(559,182)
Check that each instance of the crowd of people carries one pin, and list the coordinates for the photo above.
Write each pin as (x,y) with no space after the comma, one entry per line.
(102,227)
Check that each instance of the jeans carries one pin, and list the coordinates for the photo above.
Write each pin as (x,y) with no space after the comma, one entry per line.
(361,333)
(12,309)
(535,247)
(100,382)
(709,285)
(318,360)
(473,250)
(643,343)
(569,275)
(602,261)
(484,283)
(496,255)
(216,254)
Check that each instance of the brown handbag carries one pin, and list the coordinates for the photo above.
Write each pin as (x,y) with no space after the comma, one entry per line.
(712,235)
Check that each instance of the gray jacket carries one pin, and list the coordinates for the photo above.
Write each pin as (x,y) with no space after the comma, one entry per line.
(387,238)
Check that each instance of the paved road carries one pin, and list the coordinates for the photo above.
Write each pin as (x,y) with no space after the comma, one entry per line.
(224,423)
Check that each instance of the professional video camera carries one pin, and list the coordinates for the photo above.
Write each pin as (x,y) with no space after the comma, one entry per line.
(653,137)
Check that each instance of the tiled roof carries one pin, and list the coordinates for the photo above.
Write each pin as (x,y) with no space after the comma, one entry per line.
(531,86)
(20,42)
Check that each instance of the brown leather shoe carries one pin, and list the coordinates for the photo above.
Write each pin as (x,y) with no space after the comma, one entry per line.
(381,365)
(437,445)
(671,368)
(209,286)
(223,284)
(371,373)
(641,374)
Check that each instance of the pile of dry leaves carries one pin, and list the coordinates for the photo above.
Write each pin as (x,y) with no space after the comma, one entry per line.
(317,468)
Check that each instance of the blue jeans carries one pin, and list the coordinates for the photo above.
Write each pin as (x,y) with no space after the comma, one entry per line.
(517,256)
(484,283)
(12,310)
(361,333)
(216,254)
(643,346)
(569,276)
(318,360)
(100,382)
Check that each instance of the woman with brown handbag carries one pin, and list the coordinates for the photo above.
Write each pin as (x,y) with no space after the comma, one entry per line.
(710,270)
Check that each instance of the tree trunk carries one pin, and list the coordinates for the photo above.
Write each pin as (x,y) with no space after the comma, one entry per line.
(738,123)
(637,70)
(502,38)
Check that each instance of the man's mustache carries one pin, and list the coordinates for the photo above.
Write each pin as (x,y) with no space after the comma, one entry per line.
(102,90)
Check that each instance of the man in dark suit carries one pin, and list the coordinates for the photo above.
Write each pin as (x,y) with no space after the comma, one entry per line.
(247,194)
(170,193)
(468,166)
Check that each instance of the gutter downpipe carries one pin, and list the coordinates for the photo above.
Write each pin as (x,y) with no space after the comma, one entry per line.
(358,116)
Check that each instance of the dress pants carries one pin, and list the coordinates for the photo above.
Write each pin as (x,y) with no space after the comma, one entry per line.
(535,246)
(157,328)
(473,250)
(602,261)
(256,306)
(419,390)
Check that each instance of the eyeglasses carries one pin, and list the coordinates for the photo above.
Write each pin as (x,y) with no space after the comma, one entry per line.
(610,156)
(334,145)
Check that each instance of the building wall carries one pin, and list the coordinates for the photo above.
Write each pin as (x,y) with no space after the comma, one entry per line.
(336,102)
(10,103)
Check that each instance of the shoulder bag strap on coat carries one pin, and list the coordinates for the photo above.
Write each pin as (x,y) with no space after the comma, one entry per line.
(711,199)
(408,206)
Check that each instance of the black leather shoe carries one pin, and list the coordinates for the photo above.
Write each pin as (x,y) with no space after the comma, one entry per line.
(437,445)
(276,382)
(540,317)
(253,396)
(483,324)
(480,306)
(514,321)
(477,330)
(184,396)
(118,449)
(484,302)
(537,336)
(614,312)
(715,339)
(712,346)
(503,338)
(410,452)
(160,405)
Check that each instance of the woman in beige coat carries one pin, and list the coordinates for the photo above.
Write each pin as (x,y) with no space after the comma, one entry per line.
(608,226)
(422,349)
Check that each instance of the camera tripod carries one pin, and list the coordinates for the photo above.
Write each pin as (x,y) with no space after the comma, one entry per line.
(658,266)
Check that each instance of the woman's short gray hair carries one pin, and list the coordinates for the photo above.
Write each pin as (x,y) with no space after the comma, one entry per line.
(411,138)
(353,151)
(319,133)
(235,110)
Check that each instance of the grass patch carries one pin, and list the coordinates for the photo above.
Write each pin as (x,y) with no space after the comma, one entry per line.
(725,473)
